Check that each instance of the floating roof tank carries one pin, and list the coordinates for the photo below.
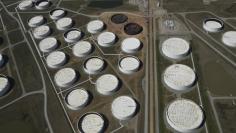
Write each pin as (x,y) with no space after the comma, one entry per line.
(41,32)
(36,21)
(56,14)
(56,59)
(107,84)
(65,77)
(4,85)
(129,64)
(94,65)
(175,48)
(184,116)
(82,48)
(77,99)
(92,123)
(26,4)
(213,25)
(95,26)
(42,4)
(106,39)
(179,78)
(2,61)
(48,44)
(130,45)
(72,35)
(124,107)
(64,23)
(229,38)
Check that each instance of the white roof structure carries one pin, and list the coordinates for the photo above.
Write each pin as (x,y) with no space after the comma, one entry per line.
(36,21)
(184,116)
(2,61)
(56,59)
(129,64)
(77,99)
(72,35)
(41,5)
(175,48)
(107,84)
(57,14)
(82,48)
(124,107)
(26,4)
(41,32)
(106,39)
(48,44)
(65,77)
(95,26)
(130,45)
(92,123)
(4,85)
(64,23)
(213,25)
(179,78)
(229,38)
(94,65)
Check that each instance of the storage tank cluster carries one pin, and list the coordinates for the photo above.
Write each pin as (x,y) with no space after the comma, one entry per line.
(38,4)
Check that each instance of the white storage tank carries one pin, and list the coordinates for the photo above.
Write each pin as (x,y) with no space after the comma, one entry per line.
(48,44)
(72,35)
(65,77)
(107,84)
(42,4)
(106,39)
(4,85)
(56,14)
(77,99)
(184,116)
(36,21)
(92,123)
(175,48)
(2,61)
(229,38)
(56,59)
(213,25)
(131,45)
(94,65)
(95,26)
(129,64)
(41,32)
(25,4)
(124,107)
(179,78)
(64,23)
(82,49)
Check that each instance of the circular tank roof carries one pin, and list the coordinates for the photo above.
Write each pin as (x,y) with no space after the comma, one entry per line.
(72,35)
(106,39)
(95,26)
(57,14)
(124,107)
(65,77)
(1,60)
(94,65)
(133,29)
(56,59)
(48,44)
(229,38)
(41,32)
(92,123)
(64,23)
(213,25)
(26,4)
(119,18)
(77,99)
(175,48)
(130,45)
(4,85)
(184,115)
(43,4)
(179,78)
(129,64)
(82,48)
(107,84)
(36,21)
